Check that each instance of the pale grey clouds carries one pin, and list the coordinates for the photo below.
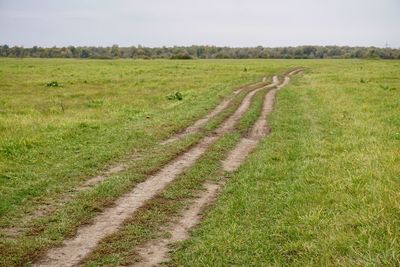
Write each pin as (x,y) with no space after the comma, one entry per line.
(179,22)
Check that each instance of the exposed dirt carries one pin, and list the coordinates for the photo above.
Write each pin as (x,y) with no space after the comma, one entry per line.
(95,180)
(229,124)
(10,233)
(73,250)
(88,236)
(199,123)
(48,208)
(258,131)
(196,127)
(155,252)
(251,86)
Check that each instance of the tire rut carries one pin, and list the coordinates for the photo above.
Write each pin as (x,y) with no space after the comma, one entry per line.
(197,126)
(258,131)
(155,252)
(47,209)
(107,222)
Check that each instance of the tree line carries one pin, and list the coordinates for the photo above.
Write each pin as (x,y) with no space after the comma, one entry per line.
(199,52)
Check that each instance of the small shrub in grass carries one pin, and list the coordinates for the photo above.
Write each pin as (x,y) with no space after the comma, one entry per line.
(53,84)
(386,87)
(176,96)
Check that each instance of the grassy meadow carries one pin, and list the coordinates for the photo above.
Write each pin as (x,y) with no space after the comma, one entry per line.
(322,188)
(53,137)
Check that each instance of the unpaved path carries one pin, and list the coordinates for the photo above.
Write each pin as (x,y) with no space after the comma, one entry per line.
(196,127)
(87,237)
(258,131)
(199,123)
(229,124)
(46,209)
(155,252)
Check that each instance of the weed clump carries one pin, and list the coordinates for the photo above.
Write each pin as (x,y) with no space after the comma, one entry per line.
(53,84)
(95,103)
(386,87)
(176,96)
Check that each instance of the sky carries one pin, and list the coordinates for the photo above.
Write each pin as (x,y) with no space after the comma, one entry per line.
(236,23)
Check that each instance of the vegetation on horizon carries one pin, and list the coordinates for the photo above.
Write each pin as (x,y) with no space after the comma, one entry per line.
(200,52)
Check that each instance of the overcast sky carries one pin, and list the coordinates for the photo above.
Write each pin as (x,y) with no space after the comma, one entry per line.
(208,22)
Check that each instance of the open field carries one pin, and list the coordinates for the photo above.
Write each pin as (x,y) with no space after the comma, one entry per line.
(322,188)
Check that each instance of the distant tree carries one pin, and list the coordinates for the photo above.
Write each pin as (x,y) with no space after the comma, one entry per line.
(201,51)
(84,53)
(181,55)
(372,53)
(115,51)
(4,51)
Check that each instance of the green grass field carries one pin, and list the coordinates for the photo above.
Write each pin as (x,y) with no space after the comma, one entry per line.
(52,137)
(321,189)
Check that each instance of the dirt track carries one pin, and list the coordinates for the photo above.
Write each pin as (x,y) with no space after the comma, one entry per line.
(88,236)
(196,127)
(155,252)
(258,131)
(119,167)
